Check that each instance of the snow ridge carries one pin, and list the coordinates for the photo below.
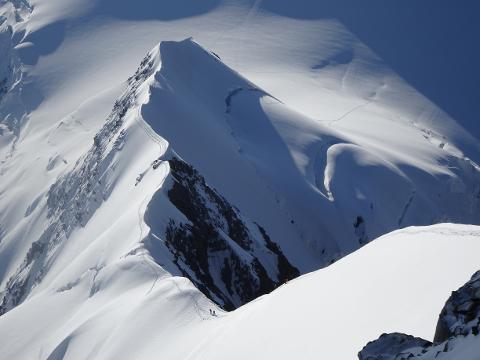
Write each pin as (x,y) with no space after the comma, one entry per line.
(73,199)
(199,177)
(230,258)
(251,125)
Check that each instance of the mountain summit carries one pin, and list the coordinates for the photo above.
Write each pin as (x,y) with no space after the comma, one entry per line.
(270,183)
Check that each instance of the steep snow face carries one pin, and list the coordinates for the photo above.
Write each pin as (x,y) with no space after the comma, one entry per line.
(333,190)
(336,78)
(194,230)
(132,313)
(255,193)
(74,198)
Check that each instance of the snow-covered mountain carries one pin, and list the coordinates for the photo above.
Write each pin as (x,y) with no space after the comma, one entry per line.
(331,313)
(148,175)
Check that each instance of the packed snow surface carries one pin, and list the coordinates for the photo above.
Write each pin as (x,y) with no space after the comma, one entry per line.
(331,313)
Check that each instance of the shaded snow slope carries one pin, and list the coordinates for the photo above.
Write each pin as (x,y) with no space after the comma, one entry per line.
(335,75)
(13,107)
(333,191)
(242,193)
(330,313)
(347,92)
(194,231)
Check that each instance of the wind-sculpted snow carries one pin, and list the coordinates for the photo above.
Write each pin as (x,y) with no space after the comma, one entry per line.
(456,335)
(230,174)
(73,199)
(333,190)
(308,194)
(229,258)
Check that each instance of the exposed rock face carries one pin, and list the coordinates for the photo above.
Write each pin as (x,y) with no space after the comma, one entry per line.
(460,318)
(393,346)
(233,260)
(360,230)
(461,314)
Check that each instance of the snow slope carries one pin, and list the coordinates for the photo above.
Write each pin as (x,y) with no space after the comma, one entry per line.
(352,99)
(264,194)
(330,313)
(322,149)
(333,190)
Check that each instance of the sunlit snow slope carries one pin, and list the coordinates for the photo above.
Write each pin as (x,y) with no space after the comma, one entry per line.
(274,148)
(331,313)
(239,192)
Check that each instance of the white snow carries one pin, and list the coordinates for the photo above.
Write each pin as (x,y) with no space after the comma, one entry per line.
(331,313)
(323,135)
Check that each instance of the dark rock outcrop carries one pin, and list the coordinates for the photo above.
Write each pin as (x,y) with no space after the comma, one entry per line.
(461,313)
(393,346)
(459,318)
(232,260)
